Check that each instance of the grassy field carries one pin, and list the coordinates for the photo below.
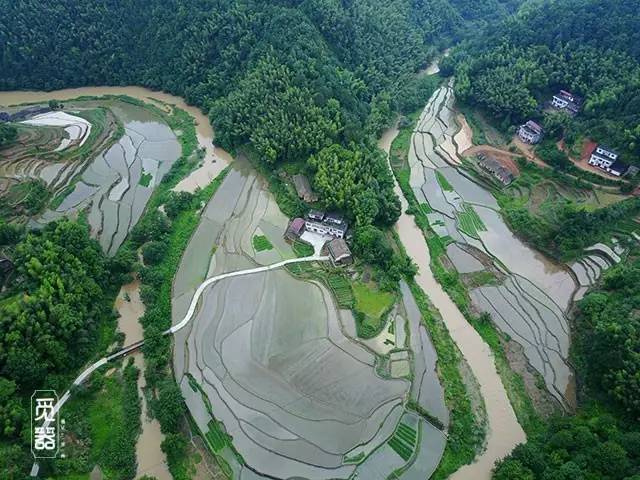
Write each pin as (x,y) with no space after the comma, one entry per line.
(261,243)
(371,307)
(443,182)
(216,436)
(403,441)
(145,179)
(371,301)
(302,249)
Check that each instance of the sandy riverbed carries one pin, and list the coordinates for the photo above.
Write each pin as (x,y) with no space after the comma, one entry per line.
(503,430)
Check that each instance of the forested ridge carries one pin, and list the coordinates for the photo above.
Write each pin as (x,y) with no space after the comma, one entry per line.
(291,78)
(590,47)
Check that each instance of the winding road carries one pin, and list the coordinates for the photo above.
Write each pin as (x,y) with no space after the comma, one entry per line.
(177,327)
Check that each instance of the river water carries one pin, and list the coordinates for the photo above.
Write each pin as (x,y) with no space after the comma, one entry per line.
(503,430)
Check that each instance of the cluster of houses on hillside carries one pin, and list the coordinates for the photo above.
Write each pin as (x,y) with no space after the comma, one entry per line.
(564,101)
(602,157)
(324,225)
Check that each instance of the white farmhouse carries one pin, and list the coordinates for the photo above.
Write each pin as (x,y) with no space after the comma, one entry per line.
(606,159)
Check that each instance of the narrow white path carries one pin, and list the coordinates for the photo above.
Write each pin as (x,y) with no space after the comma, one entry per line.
(209,281)
(503,430)
(187,318)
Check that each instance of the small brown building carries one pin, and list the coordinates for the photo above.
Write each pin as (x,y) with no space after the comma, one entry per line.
(303,188)
(294,230)
(339,252)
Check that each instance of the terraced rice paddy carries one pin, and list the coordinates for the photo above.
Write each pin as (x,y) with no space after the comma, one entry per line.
(269,358)
(102,156)
(114,184)
(53,148)
(530,305)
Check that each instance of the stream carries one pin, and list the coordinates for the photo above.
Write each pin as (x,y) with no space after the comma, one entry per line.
(503,430)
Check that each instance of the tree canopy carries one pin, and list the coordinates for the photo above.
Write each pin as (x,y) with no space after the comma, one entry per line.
(290,78)
(590,47)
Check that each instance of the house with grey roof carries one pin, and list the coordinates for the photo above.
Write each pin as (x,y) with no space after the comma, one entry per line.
(339,252)
(531,132)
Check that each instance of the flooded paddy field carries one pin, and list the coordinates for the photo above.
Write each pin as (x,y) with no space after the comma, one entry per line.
(110,155)
(531,298)
(270,358)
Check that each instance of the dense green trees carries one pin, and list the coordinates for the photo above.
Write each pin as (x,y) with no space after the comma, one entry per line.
(49,317)
(8,134)
(609,329)
(356,179)
(582,447)
(50,325)
(566,228)
(290,78)
(593,51)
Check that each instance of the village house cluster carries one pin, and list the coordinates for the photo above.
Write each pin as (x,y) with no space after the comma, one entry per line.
(602,156)
(532,132)
(325,224)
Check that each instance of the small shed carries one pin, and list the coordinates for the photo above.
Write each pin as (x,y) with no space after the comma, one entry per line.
(295,229)
(303,188)
(339,252)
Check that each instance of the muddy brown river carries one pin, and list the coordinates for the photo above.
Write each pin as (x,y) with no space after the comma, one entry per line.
(503,430)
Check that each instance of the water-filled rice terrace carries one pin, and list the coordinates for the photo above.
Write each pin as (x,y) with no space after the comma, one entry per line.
(272,370)
(102,157)
(526,294)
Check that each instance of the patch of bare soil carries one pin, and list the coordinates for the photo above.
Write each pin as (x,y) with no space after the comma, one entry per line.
(527,150)
(464,137)
(503,156)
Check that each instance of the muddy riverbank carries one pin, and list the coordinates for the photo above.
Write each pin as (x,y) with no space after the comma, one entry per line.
(503,430)
(150,457)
